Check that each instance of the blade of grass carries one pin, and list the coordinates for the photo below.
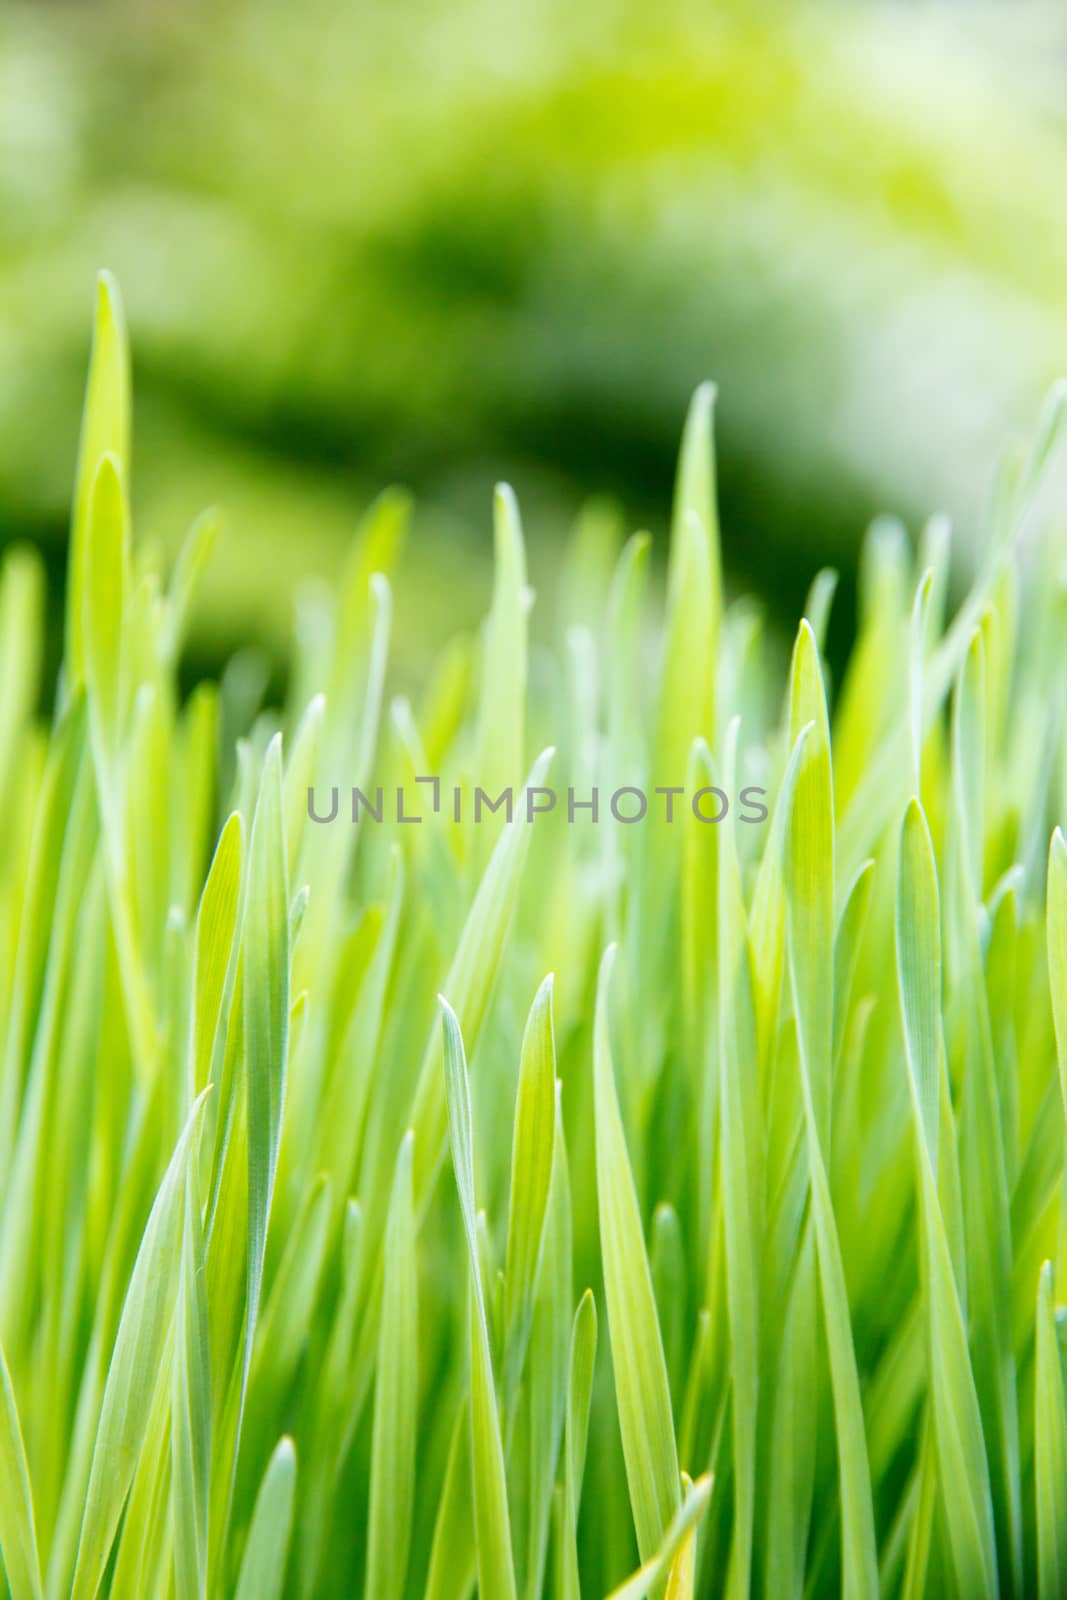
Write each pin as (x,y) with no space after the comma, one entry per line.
(496,1568)
(396,1394)
(134,1368)
(18,1532)
(641,1386)
(262,1572)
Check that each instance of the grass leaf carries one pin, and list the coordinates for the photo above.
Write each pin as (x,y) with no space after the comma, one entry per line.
(641,1386)
(396,1395)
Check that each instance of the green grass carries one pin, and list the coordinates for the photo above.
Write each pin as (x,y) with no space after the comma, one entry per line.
(543,1209)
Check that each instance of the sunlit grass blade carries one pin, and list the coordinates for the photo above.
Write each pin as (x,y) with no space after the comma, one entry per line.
(18,1532)
(966,1497)
(661,1568)
(496,1566)
(470,981)
(531,1173)
(641,1385)
(191,1410)
(575,1439)
(1056,915)
(502,712)
(263,1564)
(105,431)
(986,1193)
(810,876)
(396,1396)
(794,1432)
(135,1367)
(216,923)
(452,1557)
(1050,1447)
(810,892)
(695,495)
(266,1015)
(741,1157)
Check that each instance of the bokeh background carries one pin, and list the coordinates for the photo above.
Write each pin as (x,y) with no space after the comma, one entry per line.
(442,244)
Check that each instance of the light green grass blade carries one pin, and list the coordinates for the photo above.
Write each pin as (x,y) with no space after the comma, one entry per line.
(848,944)
(105,431)
(545,1379)
(919,971)
(768,919)
(575,1439)
(300,776)
(641,1386)
(327,1446)
(496,1567)
(135,1365)
(216,921)
(794,1433)
(820,599)
(289,1310)
(452,1558)
(1050,1447)
(623,664)
(963,1468)
(1056,933)
(859,1556)
(191,1411)
(196,551)
(741,1157)
(694,495)
(532,1146)
(392,1491)
(810,876)
(986,1192)
(686,695)
(470,981)
(18,1532)
(502,715)
(266,1015)
(917,653)
(659,1570)
(666,1253)
(22,600)
(263,1564)
(104,583)
(810,890)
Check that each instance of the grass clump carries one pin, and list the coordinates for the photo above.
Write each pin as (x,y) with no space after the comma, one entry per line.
(751,1284)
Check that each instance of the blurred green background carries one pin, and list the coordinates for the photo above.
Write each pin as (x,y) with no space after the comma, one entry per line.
(443,244)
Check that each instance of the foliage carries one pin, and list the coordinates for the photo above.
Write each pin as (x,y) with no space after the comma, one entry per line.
(344,1250)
